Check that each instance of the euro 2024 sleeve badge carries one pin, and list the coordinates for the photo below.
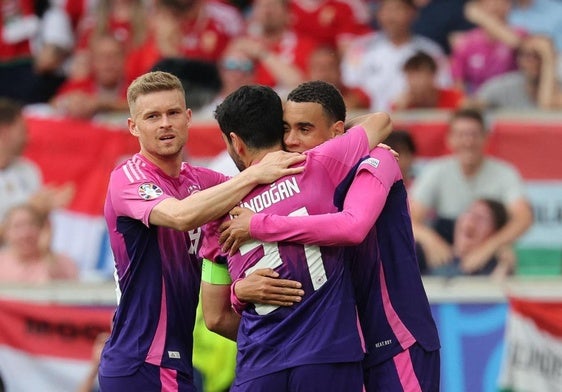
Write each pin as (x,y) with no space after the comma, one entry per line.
(150,191)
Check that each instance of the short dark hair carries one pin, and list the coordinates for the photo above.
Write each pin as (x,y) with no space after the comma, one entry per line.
(420,61)
(499,212)
(407,2)
(323,93)
(401,140)
(255,114)
(469,113)
(10,111)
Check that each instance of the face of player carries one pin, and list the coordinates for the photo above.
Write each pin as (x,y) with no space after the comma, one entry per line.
(466,140)
(161,121)
(14,138)
(473,227)
(306,126)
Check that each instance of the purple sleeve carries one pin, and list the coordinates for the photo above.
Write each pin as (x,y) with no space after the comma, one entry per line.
(370,187)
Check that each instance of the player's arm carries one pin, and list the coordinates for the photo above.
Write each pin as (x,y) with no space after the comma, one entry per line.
(363,204)
(348,227)
(215,299)
(377,126)
(212,203)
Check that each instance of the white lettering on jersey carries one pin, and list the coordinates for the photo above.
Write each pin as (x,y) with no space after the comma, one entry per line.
(194,237)
(274,194)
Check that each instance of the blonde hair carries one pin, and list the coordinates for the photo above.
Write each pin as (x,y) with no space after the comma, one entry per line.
(152,82)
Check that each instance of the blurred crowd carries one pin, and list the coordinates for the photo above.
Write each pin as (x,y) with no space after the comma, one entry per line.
(76,58)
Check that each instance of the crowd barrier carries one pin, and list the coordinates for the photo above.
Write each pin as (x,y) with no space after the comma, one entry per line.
(494,335)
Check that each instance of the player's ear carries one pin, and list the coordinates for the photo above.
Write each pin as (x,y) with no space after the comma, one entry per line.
(238,144)
(338,128)
(132,127)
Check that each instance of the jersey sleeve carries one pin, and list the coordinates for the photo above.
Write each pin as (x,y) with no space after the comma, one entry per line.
(210,246)
(341,153)
(374,178)
(135,198)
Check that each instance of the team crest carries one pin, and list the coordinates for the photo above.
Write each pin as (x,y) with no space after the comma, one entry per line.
(149,191)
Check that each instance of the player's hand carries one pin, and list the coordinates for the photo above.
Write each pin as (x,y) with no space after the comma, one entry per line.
(234,232)
(263,286)
(387,147)
(276,165)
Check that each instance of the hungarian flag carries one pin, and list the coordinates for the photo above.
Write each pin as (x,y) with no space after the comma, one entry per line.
(47,347)
(533,347)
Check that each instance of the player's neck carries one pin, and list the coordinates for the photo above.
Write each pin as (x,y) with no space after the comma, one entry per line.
(259,154)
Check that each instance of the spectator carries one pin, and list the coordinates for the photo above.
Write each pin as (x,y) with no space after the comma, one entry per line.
(422,91)
(280,54)
(18,78)
(402,142)
(52,50)
(20,179)
(533,86)
(330,22)
(236,69)
(487,50)
(324,64)
(440,20)
(125,20)
(196,29)
(541,17)
(105,90)
(447,186)
(374,62)
(480,221)
(24,257)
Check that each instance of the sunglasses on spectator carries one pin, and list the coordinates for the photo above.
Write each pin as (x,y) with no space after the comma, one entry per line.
(231,64)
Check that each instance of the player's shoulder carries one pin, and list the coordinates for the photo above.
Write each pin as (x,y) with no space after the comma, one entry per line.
(204,176)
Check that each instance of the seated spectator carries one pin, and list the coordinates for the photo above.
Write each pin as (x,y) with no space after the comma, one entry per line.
(195,29)
(533,86)
(280,54)
(402,142)
(20,178)
(374,61)
(541,17)
(24,256)
(236,69)
(19,25)
(422,91)
(487,50)
(104,91)
(473,227)
(447,186)
(440,20)
(330,22)
(125,20)
(324,64)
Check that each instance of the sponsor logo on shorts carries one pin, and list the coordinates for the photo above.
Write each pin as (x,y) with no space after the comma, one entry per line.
(174,355)
(149,191)
(383,343)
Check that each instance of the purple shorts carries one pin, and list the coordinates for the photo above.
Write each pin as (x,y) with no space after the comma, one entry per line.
(149,378)
(329,377)
(413,370)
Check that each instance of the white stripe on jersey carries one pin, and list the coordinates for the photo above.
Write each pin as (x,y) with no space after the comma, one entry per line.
(133,170)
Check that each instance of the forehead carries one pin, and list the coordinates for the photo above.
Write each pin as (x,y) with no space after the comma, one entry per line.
(465,124)
(304,112)
(159,101)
